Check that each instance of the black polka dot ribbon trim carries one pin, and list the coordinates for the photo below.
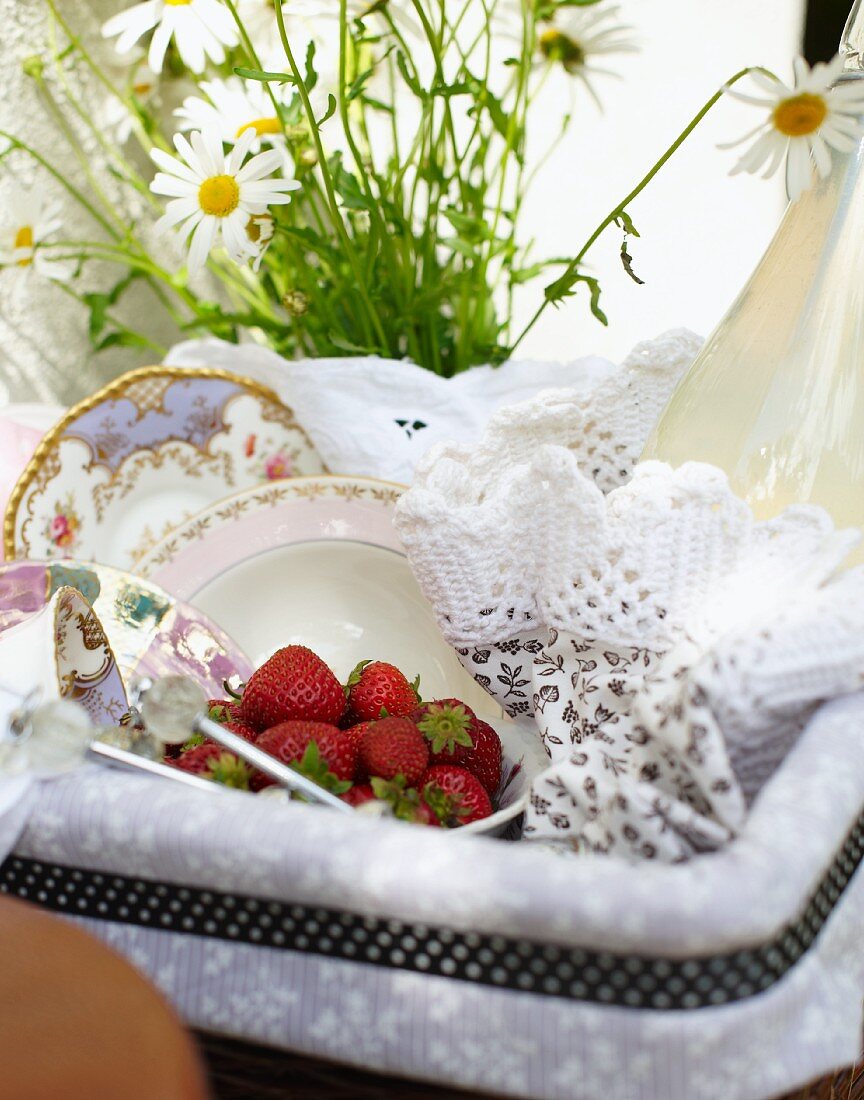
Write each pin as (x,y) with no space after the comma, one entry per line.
(504,962)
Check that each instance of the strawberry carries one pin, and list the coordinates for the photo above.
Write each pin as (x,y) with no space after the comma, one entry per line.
(484,760)
(357,795)
(394,746)
(224,710)
(378,690)
(355,734)
(211,761)
(242,730)
(407,803)
(456,796)
(293,685)
(447,724)
(316,749)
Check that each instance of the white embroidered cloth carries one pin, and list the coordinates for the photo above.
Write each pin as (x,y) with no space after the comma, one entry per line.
(378,417)
(660,638)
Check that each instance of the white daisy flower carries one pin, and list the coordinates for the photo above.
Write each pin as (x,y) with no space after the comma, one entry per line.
(232,107)
(200,28)
(29,222)
(805,122)
(581,36)
(215,195)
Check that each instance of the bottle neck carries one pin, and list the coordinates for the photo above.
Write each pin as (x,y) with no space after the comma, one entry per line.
(852,41)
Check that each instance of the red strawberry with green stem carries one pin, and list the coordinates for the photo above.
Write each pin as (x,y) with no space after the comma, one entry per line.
(317,749)
(394,746)
(224,710)
(378,690)
(211,761)
(407,803)
(456,796)
(293,685)
(447,724)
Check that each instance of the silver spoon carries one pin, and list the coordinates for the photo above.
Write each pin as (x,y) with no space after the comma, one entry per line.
(174,705)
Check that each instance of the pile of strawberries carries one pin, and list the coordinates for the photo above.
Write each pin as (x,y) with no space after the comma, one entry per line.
(435,763)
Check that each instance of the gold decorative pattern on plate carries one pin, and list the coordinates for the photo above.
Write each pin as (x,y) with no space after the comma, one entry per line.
(318,487)
(146,389)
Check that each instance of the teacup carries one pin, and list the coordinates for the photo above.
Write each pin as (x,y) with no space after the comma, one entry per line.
(62,652)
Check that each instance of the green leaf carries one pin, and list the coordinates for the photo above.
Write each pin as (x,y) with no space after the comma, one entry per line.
(564,287)
(344,344)
(122,338)
(347,186)
(409,79)
(627,262)
(263,76)
(330,112)
(448,90)
(626,223)
(311,75)
(519,275)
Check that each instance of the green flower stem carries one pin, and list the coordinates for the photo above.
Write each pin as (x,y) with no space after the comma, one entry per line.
(129,173)
(371,317)
(357,156)
(77,195)
(255,60)
(85,54)
(618,210)
(120,223)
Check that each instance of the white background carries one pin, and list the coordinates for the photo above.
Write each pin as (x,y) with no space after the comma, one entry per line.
(702,233)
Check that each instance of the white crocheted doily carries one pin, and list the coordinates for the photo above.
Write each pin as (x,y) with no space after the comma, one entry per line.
(661,639)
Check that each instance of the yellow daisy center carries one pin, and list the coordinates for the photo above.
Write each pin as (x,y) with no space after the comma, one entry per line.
(800,114)
(261,126)
(557,46)
(219,195)
(177,3)
(24,239)
(141,89)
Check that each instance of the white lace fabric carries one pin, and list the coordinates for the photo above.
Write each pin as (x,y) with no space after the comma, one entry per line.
(660,638)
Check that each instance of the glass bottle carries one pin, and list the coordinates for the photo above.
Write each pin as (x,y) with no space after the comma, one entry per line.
(776,396)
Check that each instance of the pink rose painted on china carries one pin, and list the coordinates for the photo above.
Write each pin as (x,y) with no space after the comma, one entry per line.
(62,529)
(278,466)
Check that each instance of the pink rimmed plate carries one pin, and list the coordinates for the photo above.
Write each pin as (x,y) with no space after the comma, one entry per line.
(150,632)
(120,469)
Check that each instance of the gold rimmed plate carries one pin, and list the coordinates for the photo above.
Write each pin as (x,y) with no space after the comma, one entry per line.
(123,468)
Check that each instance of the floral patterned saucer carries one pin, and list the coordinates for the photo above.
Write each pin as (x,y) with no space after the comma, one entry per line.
(150,633)
(120,470)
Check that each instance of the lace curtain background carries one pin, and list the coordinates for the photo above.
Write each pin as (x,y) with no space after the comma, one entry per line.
(701,233)
(45,353)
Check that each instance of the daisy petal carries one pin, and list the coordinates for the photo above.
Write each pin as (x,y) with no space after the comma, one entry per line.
(821,155)
(202,242)
(264,164)
(172,165)
(183,147)
(799,175)
(158,45)
(177,211)
(171,186)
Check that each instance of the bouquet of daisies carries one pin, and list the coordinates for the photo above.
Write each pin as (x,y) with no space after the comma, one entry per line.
(351,174)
